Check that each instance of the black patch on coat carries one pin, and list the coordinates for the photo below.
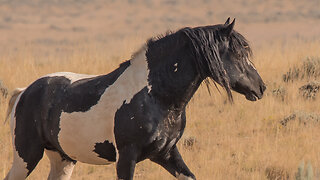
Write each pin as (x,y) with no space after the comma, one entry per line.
(81,95)
(40,106)
(149,125)
(28,142)
(106,151)
(172,69)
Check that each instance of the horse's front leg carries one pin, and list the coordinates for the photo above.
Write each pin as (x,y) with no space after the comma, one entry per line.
(175,165)
(127,162)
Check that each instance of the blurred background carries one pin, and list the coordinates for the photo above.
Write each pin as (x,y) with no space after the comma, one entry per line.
(54,26)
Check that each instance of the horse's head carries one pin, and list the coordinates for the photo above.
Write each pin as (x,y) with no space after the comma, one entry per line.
(223,55)
(235,54)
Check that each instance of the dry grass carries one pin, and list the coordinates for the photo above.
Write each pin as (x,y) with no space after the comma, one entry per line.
(244,140)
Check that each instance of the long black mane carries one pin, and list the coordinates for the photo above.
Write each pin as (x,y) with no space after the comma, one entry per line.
(206,43)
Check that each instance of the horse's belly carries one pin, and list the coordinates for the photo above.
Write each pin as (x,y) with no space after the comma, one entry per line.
(83,135)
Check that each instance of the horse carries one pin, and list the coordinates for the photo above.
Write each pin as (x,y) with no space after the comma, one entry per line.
(134,113)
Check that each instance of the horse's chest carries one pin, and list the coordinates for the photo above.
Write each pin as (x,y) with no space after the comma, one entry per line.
(168,133)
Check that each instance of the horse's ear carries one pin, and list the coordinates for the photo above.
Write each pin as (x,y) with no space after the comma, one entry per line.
(227,22)
(227,30)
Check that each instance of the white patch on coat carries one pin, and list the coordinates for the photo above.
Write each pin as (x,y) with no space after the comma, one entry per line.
(80,131)
(19,167)
(184,177)
(70,75)
(176,67)
(149,88)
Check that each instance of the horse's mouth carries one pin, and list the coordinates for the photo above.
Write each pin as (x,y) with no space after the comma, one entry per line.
(252,96)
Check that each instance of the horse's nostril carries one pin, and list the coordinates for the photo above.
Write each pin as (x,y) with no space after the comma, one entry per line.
(262,88)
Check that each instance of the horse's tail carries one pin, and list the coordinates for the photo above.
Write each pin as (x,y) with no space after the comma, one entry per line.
(12,101)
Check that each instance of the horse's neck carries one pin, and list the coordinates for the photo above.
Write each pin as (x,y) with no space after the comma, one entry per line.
(174,81)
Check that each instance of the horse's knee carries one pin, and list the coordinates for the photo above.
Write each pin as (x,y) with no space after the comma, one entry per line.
(184,177)
(60,168)
(19,168)
(16,174)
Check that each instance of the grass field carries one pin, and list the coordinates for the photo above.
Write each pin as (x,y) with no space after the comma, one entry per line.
(244,140)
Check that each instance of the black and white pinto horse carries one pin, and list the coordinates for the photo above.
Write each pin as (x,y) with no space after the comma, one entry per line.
(136,112)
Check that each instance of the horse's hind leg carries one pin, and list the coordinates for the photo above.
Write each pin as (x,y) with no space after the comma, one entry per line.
(25,160)
(27,151)
(60,168)
(19,168)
